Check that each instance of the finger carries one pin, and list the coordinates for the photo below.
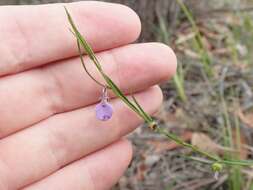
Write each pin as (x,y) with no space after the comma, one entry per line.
(43,149)
(98,171)
(37,94)
(36,35)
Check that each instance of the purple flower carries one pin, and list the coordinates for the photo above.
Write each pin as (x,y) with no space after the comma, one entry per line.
(104,111)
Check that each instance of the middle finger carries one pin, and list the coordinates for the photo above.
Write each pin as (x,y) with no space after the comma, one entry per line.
(40,93)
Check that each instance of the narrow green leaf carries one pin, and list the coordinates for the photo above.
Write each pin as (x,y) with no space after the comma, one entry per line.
(120,94)
(148,118)
(83,42)
(84,66)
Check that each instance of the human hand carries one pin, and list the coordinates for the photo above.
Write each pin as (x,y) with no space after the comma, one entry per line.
(50,137)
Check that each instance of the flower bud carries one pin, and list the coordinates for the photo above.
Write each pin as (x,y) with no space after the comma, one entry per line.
(104,111)
(216,167)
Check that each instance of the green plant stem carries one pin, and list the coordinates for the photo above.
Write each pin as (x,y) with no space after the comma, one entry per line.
(179,83)
(185,144)
(197,150)
(136,107)
(84,66)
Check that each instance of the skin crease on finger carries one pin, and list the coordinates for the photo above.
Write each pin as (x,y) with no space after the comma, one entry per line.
(91,172)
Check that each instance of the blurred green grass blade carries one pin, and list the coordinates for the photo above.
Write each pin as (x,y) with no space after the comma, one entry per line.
(201,160)
(179,83)
(238,162)
(203,52)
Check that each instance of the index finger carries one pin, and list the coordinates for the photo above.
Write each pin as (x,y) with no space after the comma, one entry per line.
(35,35)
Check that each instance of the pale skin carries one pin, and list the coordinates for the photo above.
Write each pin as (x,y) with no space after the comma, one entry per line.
(50,137)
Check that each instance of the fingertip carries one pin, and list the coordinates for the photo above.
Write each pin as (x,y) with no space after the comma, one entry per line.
(168,60)
(157,97)
(121,17)
(134,22)
(115,23)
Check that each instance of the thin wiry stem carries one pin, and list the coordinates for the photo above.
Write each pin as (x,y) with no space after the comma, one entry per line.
(85,69)
(185,144)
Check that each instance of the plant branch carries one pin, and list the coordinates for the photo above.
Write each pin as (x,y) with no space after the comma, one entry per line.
(136,107)
(84,66)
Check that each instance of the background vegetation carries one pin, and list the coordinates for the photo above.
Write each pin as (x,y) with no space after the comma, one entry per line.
(208,103)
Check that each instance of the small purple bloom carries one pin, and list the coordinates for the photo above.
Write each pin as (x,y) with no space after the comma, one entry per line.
(104,111)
